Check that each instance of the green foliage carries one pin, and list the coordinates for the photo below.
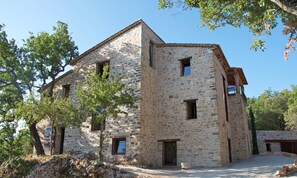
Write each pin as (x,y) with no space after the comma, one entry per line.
(17,167)
(61,111)
(269,109)
(291,114)
(254,132)
(50,53)
(260,17)
(13,143)
(105,95)
(23,70)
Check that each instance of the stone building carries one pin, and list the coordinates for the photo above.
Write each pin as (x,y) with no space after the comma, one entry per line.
(192,107)
(273,141)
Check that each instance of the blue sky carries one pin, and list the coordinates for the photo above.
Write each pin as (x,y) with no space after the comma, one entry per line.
(91,21)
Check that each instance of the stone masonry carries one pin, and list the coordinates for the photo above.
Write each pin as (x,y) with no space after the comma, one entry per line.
(158,131)
(275,139)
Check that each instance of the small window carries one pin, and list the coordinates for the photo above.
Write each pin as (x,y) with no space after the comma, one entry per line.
(66,90)
(191,109)
(118,145)
(100,66)
(225,98)
(268,147)
(95,124)
(185,67)
(151,51)
(231,90)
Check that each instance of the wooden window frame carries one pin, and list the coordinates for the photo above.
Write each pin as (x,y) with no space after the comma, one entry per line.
(115,145)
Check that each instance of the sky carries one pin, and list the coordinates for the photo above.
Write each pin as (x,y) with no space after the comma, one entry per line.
(91,21)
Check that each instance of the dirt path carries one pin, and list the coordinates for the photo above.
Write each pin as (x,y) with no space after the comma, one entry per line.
(257,166)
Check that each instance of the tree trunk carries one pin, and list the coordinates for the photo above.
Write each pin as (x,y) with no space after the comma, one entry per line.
(101,139)
(36,139)
(53,139)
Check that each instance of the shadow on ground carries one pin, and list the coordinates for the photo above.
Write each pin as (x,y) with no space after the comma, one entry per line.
(257,166)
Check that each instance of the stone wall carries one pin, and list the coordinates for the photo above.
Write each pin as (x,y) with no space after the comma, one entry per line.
(199,142)
(239,128)
(124,54)
(224,125)
(148,115)
(162,111)
(273,135)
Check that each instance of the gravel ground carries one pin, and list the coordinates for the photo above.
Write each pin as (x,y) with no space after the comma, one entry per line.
(257,166)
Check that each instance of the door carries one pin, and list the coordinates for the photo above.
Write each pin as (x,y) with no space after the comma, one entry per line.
(290,147)
(169,153)
(230,151)
(62,140)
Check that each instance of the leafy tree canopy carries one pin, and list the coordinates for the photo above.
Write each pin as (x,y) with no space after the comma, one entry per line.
(106,96)
(270,108)
(259,16)
(291,114)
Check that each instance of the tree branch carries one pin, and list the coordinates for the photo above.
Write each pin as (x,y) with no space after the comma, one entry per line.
(285,7)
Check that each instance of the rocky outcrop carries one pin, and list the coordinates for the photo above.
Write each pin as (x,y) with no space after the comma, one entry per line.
(82,165)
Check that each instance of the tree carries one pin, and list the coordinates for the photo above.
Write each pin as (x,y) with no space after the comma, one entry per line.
(259,16)
(12,143)
(50,54)
(291,113)
(60,111)
(254,132)
(23,70)
(105,96)
(16,78)
(269,109)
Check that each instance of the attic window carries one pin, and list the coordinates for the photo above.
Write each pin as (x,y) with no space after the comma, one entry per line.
(66,90)
(100,66)
(185,66)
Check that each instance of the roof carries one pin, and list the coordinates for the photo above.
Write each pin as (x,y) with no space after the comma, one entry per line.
(114,36)
(239,71)
(215,47)
(57,79)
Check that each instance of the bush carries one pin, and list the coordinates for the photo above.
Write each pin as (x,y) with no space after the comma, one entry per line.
(16,167)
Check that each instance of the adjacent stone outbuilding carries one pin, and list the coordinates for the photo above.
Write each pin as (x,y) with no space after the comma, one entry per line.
(273,141)
(192,107)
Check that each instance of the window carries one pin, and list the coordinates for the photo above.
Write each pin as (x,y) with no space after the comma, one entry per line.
(231,90)
(225,98)
(95,124)
(118,145)
(66,90)
(100,66)
(191,109)
(268,147)
(151,51)
(185,66)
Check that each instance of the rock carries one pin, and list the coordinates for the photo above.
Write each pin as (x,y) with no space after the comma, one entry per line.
(84,163)
(90,169)
(185,165)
